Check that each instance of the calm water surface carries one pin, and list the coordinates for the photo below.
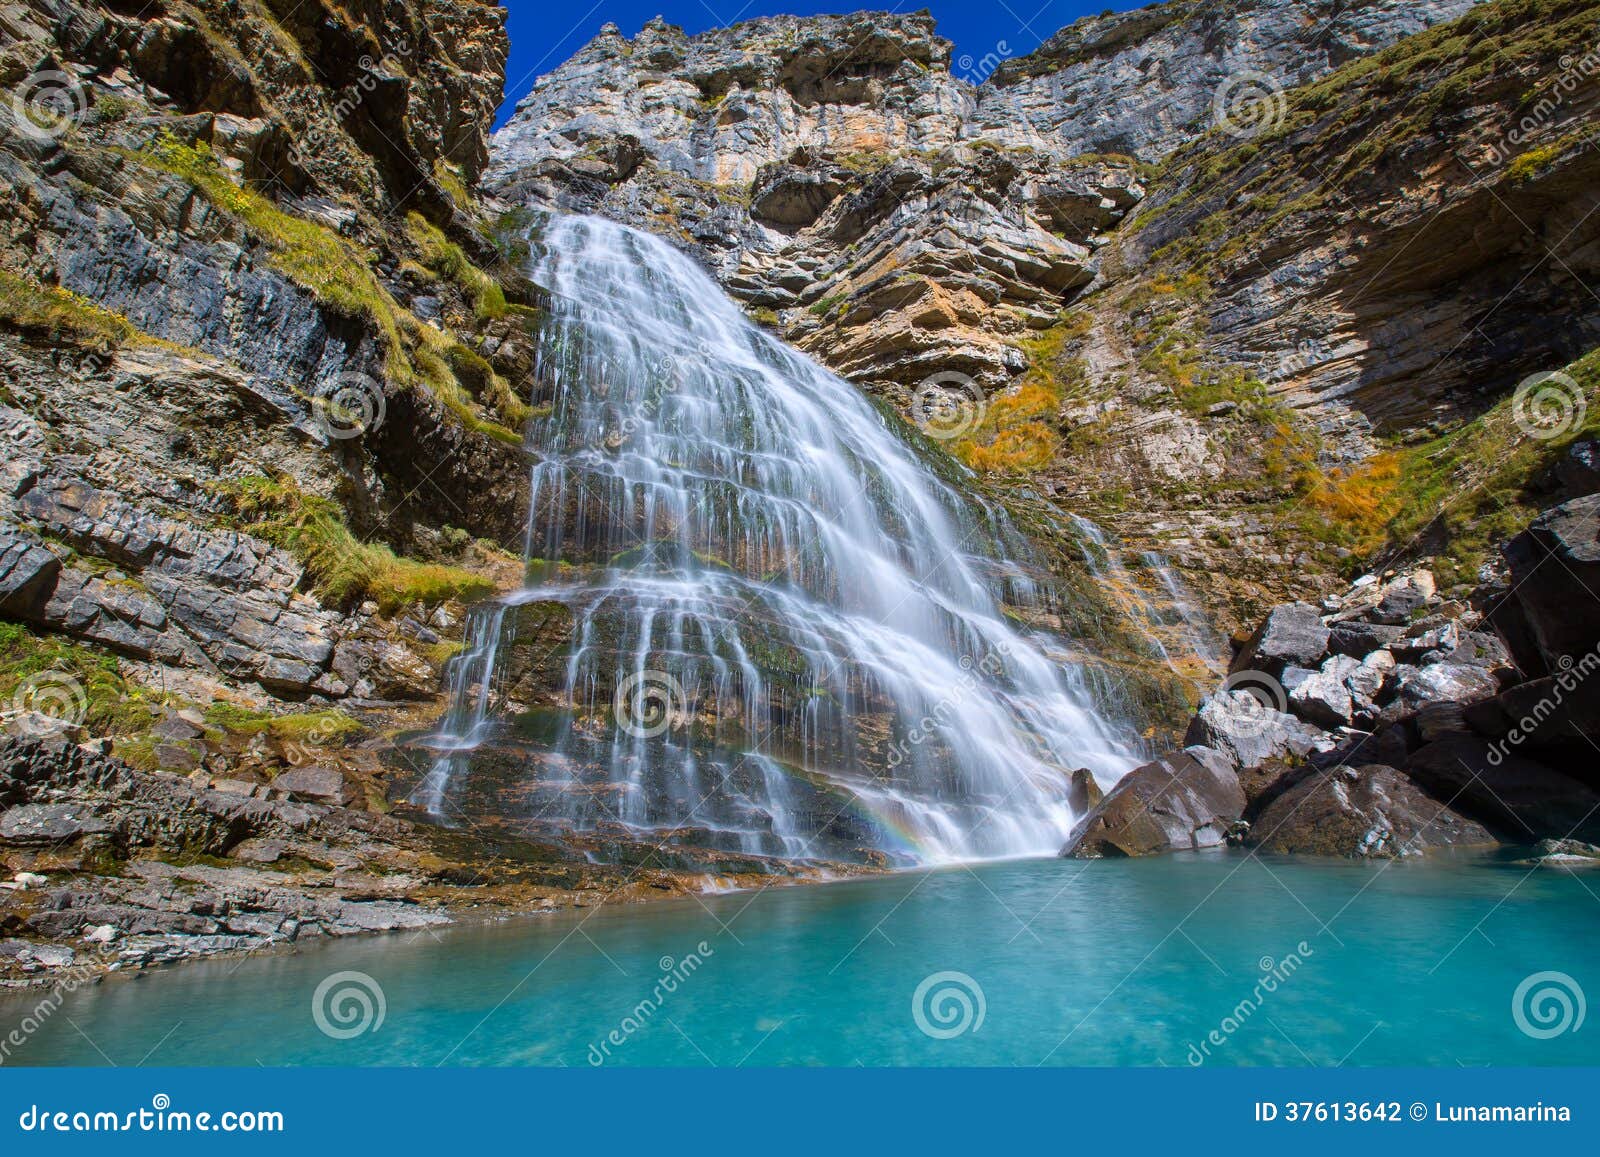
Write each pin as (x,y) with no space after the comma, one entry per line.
(1110,963)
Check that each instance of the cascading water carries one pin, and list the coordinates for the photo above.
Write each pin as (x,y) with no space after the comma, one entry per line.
(755,620)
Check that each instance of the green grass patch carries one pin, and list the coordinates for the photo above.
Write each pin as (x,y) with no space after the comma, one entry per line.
(113,705)
(62,315)
(326,727)
(342,568)
(1457,497)
(449,260)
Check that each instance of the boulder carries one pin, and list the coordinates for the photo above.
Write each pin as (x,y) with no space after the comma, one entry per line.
(1521,799)
(1249,731)
(50,823)
(1361,813)
(1401,600)
(314,785)
(1570,854)
(1184,801)
(1367,680)
(1462,683)
(1292,635)
(1555,574)
(1358,639)
(1084,792)
(27,574)
(1324,697)
(1556,718)
(1579,470)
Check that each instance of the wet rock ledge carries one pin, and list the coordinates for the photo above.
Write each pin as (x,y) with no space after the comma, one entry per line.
(107,868)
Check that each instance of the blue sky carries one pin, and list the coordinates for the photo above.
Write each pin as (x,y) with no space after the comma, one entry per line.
(544,33)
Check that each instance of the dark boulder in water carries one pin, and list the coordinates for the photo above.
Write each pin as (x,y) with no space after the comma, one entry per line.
(1183,801)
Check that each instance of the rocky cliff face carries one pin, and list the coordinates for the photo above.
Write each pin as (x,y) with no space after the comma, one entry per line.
(1146,83)
(1195,271)
(225,346)
(253,390)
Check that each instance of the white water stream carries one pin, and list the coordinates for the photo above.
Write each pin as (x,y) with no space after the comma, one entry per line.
(788,632)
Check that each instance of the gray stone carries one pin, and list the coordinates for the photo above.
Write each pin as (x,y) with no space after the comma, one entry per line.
(1362,812)
(1249,731)
(1358,639)
(1555,574)
(1188,800)
(50,823)
(1292,635)
(27,574)
(324,785)
(1449,682)
(1324,697)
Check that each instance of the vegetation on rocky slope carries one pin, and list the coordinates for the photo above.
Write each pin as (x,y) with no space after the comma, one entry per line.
(317,258)
(344,568)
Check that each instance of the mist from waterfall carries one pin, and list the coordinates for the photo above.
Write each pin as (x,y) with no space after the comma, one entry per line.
(780,631)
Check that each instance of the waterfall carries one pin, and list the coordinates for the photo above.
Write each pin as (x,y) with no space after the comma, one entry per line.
(755,620)
(1163,615)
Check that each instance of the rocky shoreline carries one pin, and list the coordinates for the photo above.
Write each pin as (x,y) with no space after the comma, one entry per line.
(1391,721)
(108,869)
